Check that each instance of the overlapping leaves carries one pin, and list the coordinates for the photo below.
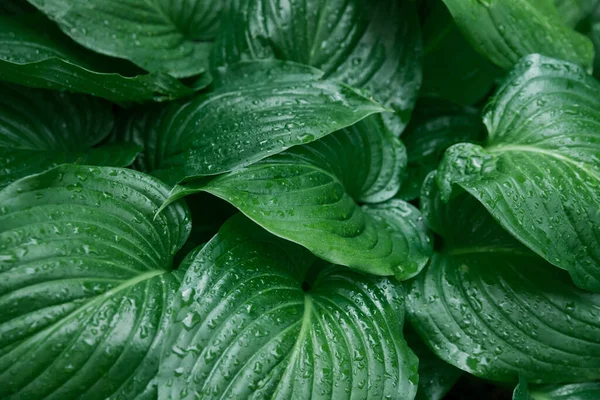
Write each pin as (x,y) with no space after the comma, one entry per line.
(40,129)
(539,171)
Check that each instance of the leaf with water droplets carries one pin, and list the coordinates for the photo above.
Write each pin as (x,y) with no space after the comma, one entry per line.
(490,306)
(85,282)
(311,195)
(157,35)
(505,31)
(40,129)
(539,171)
(258,108)
(372,45)
(260,317)
(35,53)
(435,125)
(574,391)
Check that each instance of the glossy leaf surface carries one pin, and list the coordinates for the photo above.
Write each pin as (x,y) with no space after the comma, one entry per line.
(85,282)
(245,328)
(158,35)
(539,171)
(35,53)
(505,31)
(260,108)
(40,129)
(574,391)
(311,195)
(489,306)
(370,45)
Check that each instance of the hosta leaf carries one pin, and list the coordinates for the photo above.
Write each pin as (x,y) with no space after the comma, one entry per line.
(452,69)
(435,126)
(539,172)
(366,44)
(490,306)
(261,108)
(309,195)
(35,53)
(158,35)
(245,328)
(505,31)
(521,392)
(574,391)
(40,129)
(85,282)
(436,377)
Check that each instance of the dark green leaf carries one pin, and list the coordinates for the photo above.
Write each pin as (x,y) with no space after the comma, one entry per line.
(85,282)
(260,109)
(15,7)
(521,392)
(366,44)
(452,69)
(35,53)
(435,126)
(574,391)
(490,306)
(158,35)
(309,195)
(436,377)
(40,129)
(539,172)
(245,328)
(505,31)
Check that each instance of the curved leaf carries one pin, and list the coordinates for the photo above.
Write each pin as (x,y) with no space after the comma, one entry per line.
(370,45)
(157,35)
(85,282)
(246,329)
(261,108)
(309,195)
(574,391)
(489,306)
(539,172)
(435,126)
(35,53)
(505,31)
(40,129)
(452,69)
(436,377)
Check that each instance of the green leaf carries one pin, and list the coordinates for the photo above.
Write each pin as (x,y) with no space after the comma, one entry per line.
(157,35)
(40,129)
(505,31)
(574,391)
(35,53)
(258,318)
(521,392)
(310,195)
(370,45)
(489,306)
(539,172)
(85,282)
(435,126)
(452,69)
(261,108)
(436,377)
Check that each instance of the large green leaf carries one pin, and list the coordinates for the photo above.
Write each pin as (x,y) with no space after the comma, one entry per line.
(574,391)
(85,282)
(539,172)
(40,129)
(310,195)
(158,35)
(436,377)
(452,69)
(259,108)
(258,318)
(35,53)
(492,307)
(505,31)
(435,126)
(366,44)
